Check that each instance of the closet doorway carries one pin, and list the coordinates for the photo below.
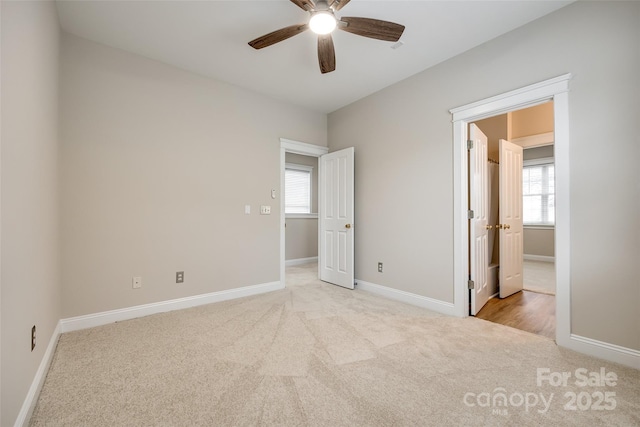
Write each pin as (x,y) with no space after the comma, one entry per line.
(516,222)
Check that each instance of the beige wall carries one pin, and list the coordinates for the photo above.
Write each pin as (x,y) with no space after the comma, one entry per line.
(538,241)
(495,128)
(404,160)
(301,234)
(531,121)
(538,152)
(526,122)
(158,164)
(301,237)
(30,281)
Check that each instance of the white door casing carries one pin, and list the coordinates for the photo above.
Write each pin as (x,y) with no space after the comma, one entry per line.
(335,240)
(510,228)
(556,89)
(478,225)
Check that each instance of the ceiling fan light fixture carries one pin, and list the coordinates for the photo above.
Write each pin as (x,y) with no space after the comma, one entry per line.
(323,22)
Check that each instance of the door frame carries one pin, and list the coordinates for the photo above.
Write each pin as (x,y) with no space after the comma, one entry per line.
(555,89)
(295,147)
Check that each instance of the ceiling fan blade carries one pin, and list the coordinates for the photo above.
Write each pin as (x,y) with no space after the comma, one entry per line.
(304,4)
(326,54)
(338,4)
(277,36)
(372,28)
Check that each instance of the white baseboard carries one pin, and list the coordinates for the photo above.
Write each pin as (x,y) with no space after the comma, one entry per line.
(300,261)
(603,350)
(407,297)
(106,317)
(543,258)
(30,401)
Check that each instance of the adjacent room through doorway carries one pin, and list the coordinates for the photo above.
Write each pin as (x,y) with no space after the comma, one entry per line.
(531,306)
(301,209)
(327,208)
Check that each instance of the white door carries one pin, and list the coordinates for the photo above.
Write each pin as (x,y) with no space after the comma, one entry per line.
(510,227)
(336,218)
(479,224)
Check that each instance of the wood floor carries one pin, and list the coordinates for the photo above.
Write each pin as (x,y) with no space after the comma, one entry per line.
(527,311)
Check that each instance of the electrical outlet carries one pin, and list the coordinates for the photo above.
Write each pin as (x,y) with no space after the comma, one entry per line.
(379,267)
(265,210)
(136,282)
(179,276)
(33,337)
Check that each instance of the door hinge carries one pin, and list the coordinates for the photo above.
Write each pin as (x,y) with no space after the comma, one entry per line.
(470,214)
(471,284)
(469,144)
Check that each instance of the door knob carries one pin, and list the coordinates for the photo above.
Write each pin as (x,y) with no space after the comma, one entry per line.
(499,226)
(489,227)
(506,226)
(347,226)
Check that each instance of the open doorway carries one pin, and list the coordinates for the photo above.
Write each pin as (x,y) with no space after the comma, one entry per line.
(297,246)
(529,302)
(301,210)
(531,305)
(335,211)
(556,89)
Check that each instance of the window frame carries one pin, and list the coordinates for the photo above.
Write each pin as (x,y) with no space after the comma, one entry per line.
(304,168)
(539,162)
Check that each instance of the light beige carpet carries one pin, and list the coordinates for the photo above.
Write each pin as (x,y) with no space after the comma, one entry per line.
(319,355)
(539,276)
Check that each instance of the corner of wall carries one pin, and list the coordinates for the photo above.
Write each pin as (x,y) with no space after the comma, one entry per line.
(29,221)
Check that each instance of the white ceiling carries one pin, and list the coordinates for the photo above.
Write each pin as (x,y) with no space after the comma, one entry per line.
(210,38)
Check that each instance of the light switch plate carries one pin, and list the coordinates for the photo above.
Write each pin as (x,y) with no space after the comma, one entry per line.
(247,209)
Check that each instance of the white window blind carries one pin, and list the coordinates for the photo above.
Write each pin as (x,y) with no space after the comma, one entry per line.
(297,189)
(538,192)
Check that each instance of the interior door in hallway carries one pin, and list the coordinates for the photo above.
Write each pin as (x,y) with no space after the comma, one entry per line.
(336,217)
(510,227)
(479,224)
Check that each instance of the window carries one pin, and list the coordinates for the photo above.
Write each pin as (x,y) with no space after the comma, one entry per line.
(538,192)
(297,189)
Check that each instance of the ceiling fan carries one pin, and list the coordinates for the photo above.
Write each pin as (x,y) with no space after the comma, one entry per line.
(323,21)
